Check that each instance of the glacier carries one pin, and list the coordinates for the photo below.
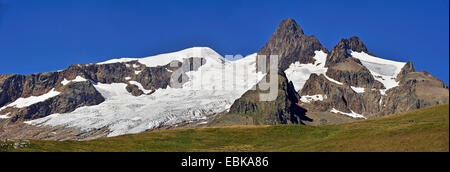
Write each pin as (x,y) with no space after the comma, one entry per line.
(211,90)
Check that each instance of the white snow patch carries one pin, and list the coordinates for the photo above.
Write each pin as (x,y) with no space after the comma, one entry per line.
(127,78)
(383,70)
(140,87)
(164,59)
(358,89)
(77,79)
(137,72)
(65,82)
(352,114)
(309,99)
(332,80)
(5,116)
(25,102)
(299,73)
(136,66)
(211,89)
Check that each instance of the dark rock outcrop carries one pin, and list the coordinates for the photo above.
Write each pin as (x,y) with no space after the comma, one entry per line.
(249,110)
(352,72)
(340,97)
(340,52)
(408,68)
(75,95)
(291,45)
(416,90)
(11,87)
(343,68)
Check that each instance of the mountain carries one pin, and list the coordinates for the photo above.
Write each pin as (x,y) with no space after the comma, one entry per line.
(198,87)
(344,85)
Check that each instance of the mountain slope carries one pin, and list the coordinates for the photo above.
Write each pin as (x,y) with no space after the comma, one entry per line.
(134,94)
(421,130)
(249,110)
(347,84)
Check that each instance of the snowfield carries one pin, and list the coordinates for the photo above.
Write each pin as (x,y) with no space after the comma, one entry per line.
(309,99)
(164,59)
(28,101)
(77,79)
(383,70)
(211,89)
(358,89)
(299,73)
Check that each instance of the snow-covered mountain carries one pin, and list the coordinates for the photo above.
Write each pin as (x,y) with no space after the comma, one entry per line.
(198,86)
(210,90)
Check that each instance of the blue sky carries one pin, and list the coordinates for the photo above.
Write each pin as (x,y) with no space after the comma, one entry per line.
(48,35)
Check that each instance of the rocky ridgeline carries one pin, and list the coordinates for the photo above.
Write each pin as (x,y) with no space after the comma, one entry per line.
(415,89)
(81,93)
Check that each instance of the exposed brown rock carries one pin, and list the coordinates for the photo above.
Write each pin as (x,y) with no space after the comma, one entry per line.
(416,90)
(353,73)
(408,68)
(340,52)
(134,90)
(291,45)
(75,95)
(343,68)
(340,97)
(249,110)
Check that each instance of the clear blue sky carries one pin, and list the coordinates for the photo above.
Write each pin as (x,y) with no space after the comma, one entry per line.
(48,35)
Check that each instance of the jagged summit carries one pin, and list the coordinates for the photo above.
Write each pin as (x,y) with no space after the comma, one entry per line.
(341,51)
(289,25)
(291,45)
(353,43)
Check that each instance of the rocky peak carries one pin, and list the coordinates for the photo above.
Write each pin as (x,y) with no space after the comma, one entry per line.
(408,68)
(340,51)
(354,44)
(289,27)
(291,45)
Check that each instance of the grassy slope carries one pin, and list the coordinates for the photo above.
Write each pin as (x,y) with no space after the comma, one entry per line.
(422,130)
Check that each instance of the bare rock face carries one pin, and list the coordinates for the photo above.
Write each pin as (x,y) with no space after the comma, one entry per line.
(134,90)
(249,110)
(340,53)
(343,68)
(291,45)
(75,95)
(408,68)
(351,72)
(11,87)
(416,90)
(340,97)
